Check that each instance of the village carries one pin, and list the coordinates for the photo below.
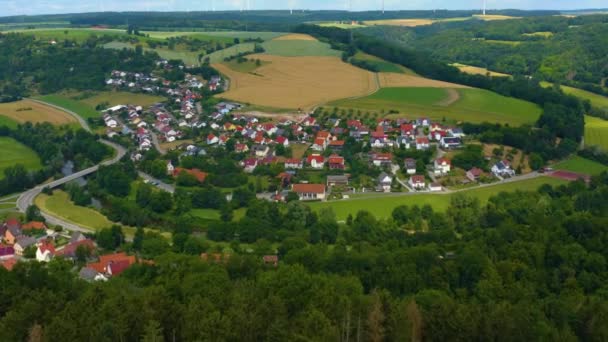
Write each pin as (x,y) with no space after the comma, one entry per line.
(306,148)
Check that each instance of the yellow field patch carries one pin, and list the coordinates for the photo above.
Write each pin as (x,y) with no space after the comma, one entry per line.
(473,70)
(27,110)
(401,22)
(296,36)
(297,82)
(490,17)
(390,80)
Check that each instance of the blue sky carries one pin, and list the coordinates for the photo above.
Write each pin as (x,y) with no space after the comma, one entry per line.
(16,7)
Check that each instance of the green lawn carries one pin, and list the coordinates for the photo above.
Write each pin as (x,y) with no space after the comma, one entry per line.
(214,215)
(84,110)
(13,152)
(59,205)
(382,207)
(596,132)
(595,99)
(474,105)
(79,35)
(8,122)
(218,56)
(382,65)
(299,48)
(244,35)
(581,165)
(120,97)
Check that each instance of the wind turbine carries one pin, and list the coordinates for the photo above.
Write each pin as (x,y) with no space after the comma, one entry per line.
(485,4)
(382,6)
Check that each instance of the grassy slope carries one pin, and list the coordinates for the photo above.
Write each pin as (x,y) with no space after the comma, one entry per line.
(581,165)
(595,99)
(596,132)
(59,205)
(188,57)
(84,110)
(474,105)
(245,67)
(295,48)
(8,122)
(218,56)
(122,97)
(13,152)
(382,207)
(382,65)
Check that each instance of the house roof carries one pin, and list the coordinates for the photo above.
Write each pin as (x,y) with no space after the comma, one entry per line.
(198,174)
(316,157)
(319,141)
(476,171)
(382,156)
(410,162)
(418,179)
(70,249)
(309,188)
(422,140)
(34,225)
(104,261)
(336,159)
(47,246)
(270,258)
(443,161)
(25,241)
(8,263)
(6,250)
(293,161)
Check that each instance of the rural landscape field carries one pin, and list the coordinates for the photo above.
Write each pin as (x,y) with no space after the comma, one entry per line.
(347,171)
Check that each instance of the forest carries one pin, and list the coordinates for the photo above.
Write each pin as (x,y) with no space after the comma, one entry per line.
(565,50)
(526,266)
(31,66)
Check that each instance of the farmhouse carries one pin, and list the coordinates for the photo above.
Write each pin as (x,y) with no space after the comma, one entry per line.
(309,192)
(382,159)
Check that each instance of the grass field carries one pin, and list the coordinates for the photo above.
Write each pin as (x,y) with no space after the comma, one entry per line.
(297,82)
(59,205)
(382,207)
(342,25)
(118,97)
(8,122)
(188,57)
(400,22)
(471,105)
(13,152)
(502,42)
(543,34)
(79,35)
(391,79)
(299,48)
(84,110)
(595,99)
(596,132)
(26,110)
(581,165)
(218,56)
(382,65)
(491,17)
(478,71)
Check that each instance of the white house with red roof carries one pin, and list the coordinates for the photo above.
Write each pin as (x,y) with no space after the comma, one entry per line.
(336,162)
(282,141)
(45,251)
(309,192)
(442,166)
(250,164)
(382,159)
(417,182)
(422,143)
(316,161)
(294,163)
(212,139)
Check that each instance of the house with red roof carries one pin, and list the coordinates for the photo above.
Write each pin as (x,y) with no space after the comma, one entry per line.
(316,161)
(336,145)
(249,164)
(422,143)
(45,251)
(474,174)
(69,251)
(382,159)
(319,145)
(212,139)
(294,163)
(442,166)
(417,182)
(309,121)
(9,264)
(34,225)
(272,260)
(112,264)
(198,174)
(309,192)
(336,162)
(282,141)
(407,130)
(241,148)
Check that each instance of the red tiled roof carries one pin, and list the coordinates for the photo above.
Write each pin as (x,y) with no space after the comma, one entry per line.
(309,188)
(382,156)
(105,260)
(37,225)
(443,161)
(70,249)
(418,179)
(198,174)
(319,141)
(293,161)
(47,246)
(335,159)
(323,134)
(317,157)
(336,143)
(422,140)
(8,263)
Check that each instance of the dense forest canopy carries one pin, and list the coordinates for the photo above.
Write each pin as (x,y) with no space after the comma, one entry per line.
(527,266)
(566,50)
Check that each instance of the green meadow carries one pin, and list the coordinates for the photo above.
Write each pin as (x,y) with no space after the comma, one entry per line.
(13,152)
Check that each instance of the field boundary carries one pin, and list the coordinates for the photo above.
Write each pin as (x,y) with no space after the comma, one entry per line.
(452,97)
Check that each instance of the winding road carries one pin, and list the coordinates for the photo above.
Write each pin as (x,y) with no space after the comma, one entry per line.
(27,198)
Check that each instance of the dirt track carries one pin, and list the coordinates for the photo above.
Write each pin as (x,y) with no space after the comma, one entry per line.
(453,96)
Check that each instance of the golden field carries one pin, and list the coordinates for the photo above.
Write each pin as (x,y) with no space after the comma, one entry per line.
(27,110)
(401,22)
(297,82)
(473,70)
(295,36)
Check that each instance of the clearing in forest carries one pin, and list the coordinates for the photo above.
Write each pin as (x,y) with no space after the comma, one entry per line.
(297,82)
(596,132)
(14,152)
(27,110)
(473,70)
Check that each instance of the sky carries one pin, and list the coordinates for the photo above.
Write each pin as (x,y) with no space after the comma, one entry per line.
(31,7)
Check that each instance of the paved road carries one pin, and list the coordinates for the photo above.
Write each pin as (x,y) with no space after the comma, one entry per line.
(27,198)
(157,182)
(156,144)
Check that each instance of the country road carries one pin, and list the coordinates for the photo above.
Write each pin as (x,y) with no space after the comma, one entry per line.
(27,198)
